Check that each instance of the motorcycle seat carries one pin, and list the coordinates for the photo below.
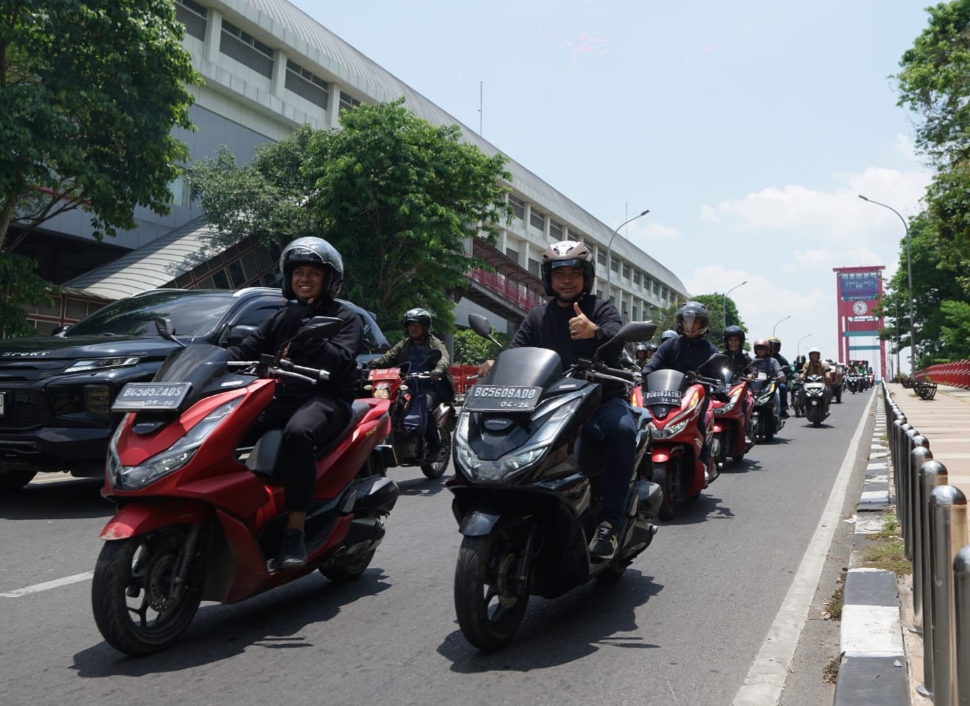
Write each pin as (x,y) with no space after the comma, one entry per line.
(262,459)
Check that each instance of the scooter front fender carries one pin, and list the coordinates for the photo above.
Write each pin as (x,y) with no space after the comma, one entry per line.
(479,523)
(137,518)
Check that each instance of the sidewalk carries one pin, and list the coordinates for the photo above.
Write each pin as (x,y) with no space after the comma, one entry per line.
(882,663)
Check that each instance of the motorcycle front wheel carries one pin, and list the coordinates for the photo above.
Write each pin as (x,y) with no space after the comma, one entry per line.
(137,605)
(488,616)
(436,470)
(663,475)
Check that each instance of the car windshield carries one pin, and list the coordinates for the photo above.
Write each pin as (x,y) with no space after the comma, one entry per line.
(193,313)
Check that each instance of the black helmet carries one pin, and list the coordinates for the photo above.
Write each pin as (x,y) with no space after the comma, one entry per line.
(774,345)
(419,315)
(312,251)
(669,333)
(693,310)
(568,253)
(734,331)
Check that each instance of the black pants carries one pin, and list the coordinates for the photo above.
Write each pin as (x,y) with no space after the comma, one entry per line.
(612,426)
(307,424)
(434,394)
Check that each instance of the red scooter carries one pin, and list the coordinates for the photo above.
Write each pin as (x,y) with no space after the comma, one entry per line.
(730,419)
(675,401)
(198,518)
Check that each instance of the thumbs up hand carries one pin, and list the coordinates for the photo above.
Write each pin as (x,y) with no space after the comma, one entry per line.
(580,327)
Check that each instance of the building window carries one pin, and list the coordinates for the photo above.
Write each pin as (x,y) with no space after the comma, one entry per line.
(636,278)
(614,264)
(534,268)
(347,102)
(626,270)
(513,255)
(537,219)
(601,257)
(555,230)
(192,15)
(656,289)
(636,314)
(599,293)
(307,85)
(518,207)
(246,49)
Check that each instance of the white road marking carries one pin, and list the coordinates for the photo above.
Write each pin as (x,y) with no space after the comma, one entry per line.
(766,678)
(48,585)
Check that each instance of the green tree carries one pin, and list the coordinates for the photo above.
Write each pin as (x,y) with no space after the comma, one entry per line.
(472,349)
(398,197)
(18,286)
(89,94)
(715,304)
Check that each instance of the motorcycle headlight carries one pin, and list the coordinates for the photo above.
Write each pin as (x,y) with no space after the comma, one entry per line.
(672,430)
(173,458)
(382,392)
(86,366)
(729,406)
(551,421)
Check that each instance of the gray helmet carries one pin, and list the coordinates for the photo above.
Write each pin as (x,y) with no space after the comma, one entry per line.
(640,347)
(690,311)
(652,347)
(669,333)
(568,253)
(312,251)
(421,316)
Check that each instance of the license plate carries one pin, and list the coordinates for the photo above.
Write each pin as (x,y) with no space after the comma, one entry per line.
(668,397)
(151,397)
(502,398)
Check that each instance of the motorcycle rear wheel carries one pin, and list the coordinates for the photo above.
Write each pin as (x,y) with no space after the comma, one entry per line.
(436,470)
(132,591)
(487,619)
(349,570)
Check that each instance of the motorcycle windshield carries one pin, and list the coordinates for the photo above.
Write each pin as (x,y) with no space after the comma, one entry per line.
(526,367)
(665,380)
(200,364)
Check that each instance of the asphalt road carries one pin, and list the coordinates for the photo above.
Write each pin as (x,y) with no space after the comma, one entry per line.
(684,625)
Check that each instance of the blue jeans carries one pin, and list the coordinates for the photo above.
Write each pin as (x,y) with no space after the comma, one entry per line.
(612,427)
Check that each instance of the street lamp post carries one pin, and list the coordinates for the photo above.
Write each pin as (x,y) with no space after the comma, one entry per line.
(776,325)
(798,346)
(909,273)
(609,253)
(724,301)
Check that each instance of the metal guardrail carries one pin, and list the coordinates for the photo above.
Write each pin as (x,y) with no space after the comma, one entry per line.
(933,520)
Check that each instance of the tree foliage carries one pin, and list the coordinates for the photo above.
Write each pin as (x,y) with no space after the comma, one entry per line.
(89,94)
(394,194)
(472,349)
(18,286)
(715,304)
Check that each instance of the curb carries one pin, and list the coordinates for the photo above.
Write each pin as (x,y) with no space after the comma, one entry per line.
(873,669)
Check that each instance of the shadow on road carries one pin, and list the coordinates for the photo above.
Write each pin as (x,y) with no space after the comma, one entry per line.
(701,509)
(421,487)
(559,631)
(64,499)
(274,620)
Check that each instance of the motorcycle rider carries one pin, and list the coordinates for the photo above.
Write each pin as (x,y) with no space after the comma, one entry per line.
(738,358)
(574,323)
(666,335)
(687,352)
(816,366)
(643,353)
(311,416)
(774,345)
(414,350)
(765,363)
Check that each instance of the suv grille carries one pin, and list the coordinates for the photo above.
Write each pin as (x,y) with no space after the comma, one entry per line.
(22,410)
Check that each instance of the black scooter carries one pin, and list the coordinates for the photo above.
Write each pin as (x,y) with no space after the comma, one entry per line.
(527,494)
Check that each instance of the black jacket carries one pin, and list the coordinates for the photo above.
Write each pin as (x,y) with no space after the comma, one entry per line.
(338,355)
(547,326)
(682,354)
(737,362)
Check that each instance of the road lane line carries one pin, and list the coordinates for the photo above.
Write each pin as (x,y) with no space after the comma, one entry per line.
(766,678)
(48,585)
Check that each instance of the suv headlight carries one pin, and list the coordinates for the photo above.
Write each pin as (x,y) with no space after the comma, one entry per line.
(85,366)
(172,459)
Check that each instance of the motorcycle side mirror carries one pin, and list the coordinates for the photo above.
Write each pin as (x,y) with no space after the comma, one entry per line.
(317,328)
(60,331)
(628,333)
(165,328)
(433,357)
(482,327)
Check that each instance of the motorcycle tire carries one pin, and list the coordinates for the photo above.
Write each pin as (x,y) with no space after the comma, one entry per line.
(436,470)
(613,572)
(769,428)
(722,454)
(815,416)
(487,620)
(133,579)
(349,570)
(838,396)
(663,477)
(13,479)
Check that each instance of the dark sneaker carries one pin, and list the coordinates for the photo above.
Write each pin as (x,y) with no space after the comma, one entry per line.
(603,545)
(784,414)
(292,552)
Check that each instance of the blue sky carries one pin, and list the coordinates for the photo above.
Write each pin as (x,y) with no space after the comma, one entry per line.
(747,129)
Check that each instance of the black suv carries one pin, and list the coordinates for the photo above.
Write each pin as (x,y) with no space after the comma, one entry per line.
(56,392)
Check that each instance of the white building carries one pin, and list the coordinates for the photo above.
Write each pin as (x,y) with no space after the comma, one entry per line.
(267,68)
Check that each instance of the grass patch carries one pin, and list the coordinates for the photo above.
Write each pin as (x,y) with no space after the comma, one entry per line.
(890,529)
(830,675)
(833,609)
(888,554)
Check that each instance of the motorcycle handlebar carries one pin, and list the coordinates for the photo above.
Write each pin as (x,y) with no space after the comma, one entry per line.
(627,375)
(313,374)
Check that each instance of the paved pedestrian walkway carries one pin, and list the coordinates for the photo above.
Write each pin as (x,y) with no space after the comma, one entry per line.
(945,422)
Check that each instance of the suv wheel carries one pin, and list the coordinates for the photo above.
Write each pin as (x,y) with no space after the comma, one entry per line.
(12,479)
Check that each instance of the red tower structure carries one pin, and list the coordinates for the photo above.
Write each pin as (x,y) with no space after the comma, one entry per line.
(859,291)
